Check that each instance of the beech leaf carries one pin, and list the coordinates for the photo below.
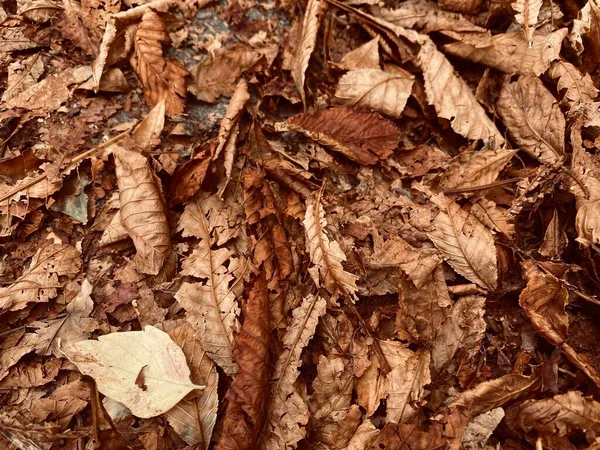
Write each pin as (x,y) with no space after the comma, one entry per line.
(363,136)
(116,361)
(142,211)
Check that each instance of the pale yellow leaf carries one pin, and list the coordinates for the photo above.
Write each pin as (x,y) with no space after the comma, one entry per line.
(382,91)
(119,362)
(527,12)
(533,119)
(465,243)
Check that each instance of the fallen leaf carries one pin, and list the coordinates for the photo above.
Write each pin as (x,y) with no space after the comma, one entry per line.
(465,243)
(147,133)
(142,211)
(583,35)
(527,12)
(325,254)
(511,52)
(22,75)
(577,86)
(362,136)
(306,45)
(161,78)
(288,412)
(382,91)
(480,429)
(116,360)
(39,10)
(555,239)
(533,119)
(364,57)
(71,27)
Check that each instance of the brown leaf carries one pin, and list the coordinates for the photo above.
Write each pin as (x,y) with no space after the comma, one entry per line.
(474,169)
(557,415)
(288,411)
(308,39)
(463,329)
(465,243)
(364,57)
(71,27)
(452,98)
(23,74)
(161,78)
(555,239)
(584,35)
(382,91)
(142,211)
(493,217)
(194,417)
(211,306)
(533,119)
(577,86)
(326,255)
(146,135)
(363,136)
(31,374)
(188,178)
(244,416)
(40,281)
(511,53)
(462,6)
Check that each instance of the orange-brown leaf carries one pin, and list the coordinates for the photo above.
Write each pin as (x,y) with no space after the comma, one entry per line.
(245,412)
(161,78)
(363,136)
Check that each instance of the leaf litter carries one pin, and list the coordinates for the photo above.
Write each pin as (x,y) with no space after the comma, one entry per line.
(289,225)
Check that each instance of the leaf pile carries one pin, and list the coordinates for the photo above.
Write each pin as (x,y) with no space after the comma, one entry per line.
(320,224)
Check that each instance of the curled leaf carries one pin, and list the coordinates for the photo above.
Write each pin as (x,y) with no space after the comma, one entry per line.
(142,211)
(527,12)
(161,78)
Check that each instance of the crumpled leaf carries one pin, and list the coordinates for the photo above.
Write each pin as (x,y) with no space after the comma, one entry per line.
(364,435)
(23,74)
(405,383)
(315,9)
(244,416)
(452,98)
(161,78)
(382,91)
(480,429)
(465,243)
(142,211)
(71,27)
(511,53)
(363,136)
(120,362)
(527,12)
(194,417)
(463,329)
(40,281)
(533,119)
(211,305)
(577,86)
(288,411)
(39,10)
(584,32)
(325,254)
(557,415)
(475,168)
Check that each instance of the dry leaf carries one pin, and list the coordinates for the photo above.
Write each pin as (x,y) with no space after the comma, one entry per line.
(194,418)
(577,87)
(465,243)
(555,239)
(452,98)
(511,52)
(211,306)
(117,361)
(405,383)
(40,281)
(308,39)
(325,254)
(142,211)
(364,435)
(39,10)
(22,75)
(71,27)
(147,134)
(247,394)
(557,415)
(288,411)
(463,329)
(161,78)
(475,169)
(480,429)
(533,119)
(364,57)
(362,136)
(462,6)
(527,12)
(584,33)
(493,217)
(382,91)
